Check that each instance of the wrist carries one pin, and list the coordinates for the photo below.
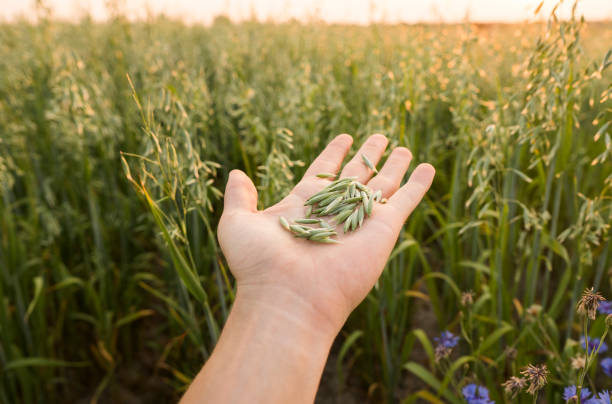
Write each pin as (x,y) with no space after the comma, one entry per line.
(275,349)
(279,306)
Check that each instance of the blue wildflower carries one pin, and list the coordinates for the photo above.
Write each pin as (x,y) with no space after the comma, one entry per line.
(604,397)
(605,307)
(475,394)
(593,344)
(606,366)
(447,339)
(601,398)
(570,391)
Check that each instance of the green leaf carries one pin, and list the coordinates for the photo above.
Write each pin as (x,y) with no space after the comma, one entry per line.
(68,281)
(559,299)
(521,174)
(453,368)
(606,61)
(446,279)
(475,265)
(346,345)
(185,272)
(556,246)
(601,130)
(425,395)
(494,337)
(430,379)
(404,245)
(426,344)
(134,316)
(38,285)
(41,362)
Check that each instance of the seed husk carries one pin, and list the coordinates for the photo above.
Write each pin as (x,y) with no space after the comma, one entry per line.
(352,199)
(354,219)
(298,230)
(342,207)
(361,215)
(321,233)
(318,211)
(363,188)
(368,163)
(346,199)
(339,185)
(333,196)
(342,216)
(316,198)
(333,204)
(284,222)
(307,221)
(328,240)
(364,199)
(347,223)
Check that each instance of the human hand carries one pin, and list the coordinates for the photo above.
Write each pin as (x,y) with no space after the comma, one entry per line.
(317,284)
(294,295)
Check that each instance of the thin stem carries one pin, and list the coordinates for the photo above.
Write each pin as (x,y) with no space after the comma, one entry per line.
(586,360)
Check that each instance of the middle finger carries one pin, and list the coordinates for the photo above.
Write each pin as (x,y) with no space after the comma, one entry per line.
(373,149)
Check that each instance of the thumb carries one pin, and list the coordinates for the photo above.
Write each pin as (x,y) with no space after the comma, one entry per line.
(240,193)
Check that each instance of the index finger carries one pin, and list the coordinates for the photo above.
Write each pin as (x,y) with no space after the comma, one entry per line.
(402,203)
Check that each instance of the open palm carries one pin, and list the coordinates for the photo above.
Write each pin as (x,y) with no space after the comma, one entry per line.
(329,280)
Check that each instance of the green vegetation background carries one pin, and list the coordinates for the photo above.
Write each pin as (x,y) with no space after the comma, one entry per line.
(116,290)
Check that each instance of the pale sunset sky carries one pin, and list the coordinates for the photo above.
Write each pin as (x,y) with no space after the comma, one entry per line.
(342,11)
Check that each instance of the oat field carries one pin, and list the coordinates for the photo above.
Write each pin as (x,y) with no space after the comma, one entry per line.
(116,140)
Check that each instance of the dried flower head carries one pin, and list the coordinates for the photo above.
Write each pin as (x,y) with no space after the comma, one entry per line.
(467,298)
(442,352)
(536,377)
(514,385)
(589,302)
(534,310)
(445,344)
(510,353)
(578,362)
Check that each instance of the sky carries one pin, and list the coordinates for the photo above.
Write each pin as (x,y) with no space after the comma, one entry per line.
(340,11)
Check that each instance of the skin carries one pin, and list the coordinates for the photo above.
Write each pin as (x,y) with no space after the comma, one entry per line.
(293,295)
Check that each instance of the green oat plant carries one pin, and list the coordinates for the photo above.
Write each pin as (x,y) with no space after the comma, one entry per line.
(521,166)
(176,184)
(70,239)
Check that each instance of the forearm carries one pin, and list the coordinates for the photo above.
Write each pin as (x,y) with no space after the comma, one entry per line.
(271,350)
